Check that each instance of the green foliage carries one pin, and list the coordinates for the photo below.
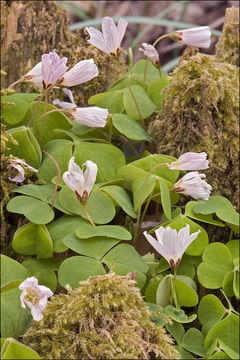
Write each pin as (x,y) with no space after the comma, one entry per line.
(36,211)
(33,239)
(14,350)
(101,308)
(10,297)
(217,263)
(129,127)
(15,107)
(27,147)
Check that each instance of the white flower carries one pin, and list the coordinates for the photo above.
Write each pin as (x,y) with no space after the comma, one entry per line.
(53,70)
(35,75)
(193,185)
(110,39)
(81,183)
(172,244)
(190,161)
(199,36)
(82,72)
(150,52)
(16,164)
(34,296)
(91,116)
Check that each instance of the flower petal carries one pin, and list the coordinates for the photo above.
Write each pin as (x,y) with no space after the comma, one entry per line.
(90,116)
(97,39)
(82,72)
(90,175)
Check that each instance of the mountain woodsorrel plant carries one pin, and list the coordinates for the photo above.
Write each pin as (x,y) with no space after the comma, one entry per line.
(92,185)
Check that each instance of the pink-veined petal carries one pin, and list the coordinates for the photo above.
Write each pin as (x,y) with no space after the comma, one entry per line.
(97,39)
(82,72)
(29,282)
(90,116)
(110,34)
(90,175)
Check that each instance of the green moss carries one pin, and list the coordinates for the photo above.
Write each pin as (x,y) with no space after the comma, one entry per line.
(105,318)
(201,113)
(227,48)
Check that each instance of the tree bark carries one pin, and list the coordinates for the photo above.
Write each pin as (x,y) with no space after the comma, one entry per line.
(29,29)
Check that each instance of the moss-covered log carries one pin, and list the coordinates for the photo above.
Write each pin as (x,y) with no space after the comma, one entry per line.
(201,113)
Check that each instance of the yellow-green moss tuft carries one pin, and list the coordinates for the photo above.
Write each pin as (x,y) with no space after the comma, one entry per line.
(227,48)
(105,318)
(201,113)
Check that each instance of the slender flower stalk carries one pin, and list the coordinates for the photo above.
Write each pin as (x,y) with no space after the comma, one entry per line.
(190,161)
(110,39)
(194,185)
(34,296)
(58,177)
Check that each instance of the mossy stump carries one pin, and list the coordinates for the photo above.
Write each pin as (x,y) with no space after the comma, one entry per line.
(104,318)
(227,48)
(201,113)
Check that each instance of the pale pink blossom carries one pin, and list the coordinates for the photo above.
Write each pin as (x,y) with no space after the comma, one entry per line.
(34,296)
(78,181)
(17,164)
(110,39)
(82,72)
(190,161)
(35,75)
(192,184)
(150,52)
(172,244)
(198,37)
(92,116)
(53,70)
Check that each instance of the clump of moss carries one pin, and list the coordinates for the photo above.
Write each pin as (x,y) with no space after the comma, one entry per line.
(105,318)
(227,48)
(200,113)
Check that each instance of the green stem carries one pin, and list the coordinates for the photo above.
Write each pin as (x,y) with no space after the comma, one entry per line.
(174,289)
(138,223)
(15,83)
(135,102)
(58,177)
(18,322)
(146,207)
(87,214)
(47,113)
(230,235)
(159,39)
(110,129)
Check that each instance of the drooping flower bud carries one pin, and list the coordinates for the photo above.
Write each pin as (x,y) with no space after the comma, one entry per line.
(192,184)
(150,52)
(190,161)
(198,37)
